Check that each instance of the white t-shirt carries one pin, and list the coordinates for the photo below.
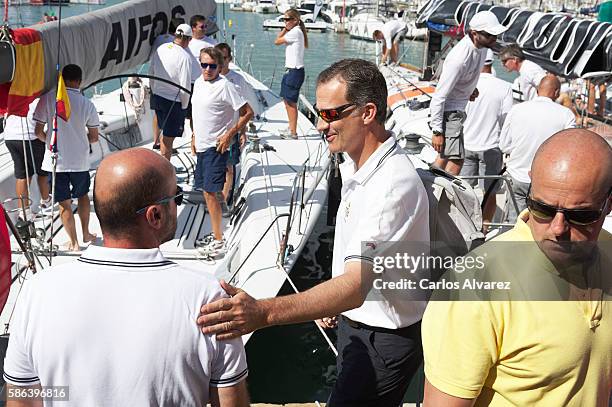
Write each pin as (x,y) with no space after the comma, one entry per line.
(527,126)
(390,28)
(195,46)
(72,141)
(170,61)
(384,201)
(460,73)
(162,39)
(294,53)
(487,113)
(213,105)
(243,88)
(530,76)
(118,328)
(21,128)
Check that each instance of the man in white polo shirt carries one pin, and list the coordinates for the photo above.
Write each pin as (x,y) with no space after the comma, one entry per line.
(27,152)
(215,101)
(391,33)
(246,90)
(383,200)
(86,325)
(513,59)
(457,86)
(485,116)
(527,126)
(199,40)
(172,62)
(72,178)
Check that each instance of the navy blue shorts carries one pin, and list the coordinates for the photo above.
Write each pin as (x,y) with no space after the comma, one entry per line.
(291,84)
(234,152)
(170,116)
(79,181)
(15,148)
(210,170)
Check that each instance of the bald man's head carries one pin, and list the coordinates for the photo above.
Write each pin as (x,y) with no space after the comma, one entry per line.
(549,87)
(127,181)
(575,154)
(571,171)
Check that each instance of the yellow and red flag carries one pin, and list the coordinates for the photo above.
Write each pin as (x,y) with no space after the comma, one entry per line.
(62,102)
(29,80)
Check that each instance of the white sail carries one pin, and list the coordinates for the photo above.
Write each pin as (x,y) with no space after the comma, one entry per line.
(116,39)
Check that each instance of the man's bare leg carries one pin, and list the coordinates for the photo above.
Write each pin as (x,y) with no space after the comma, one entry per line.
(43,186)
(84,209)
(166,146)
(68,222)
(488,213)
(21,188)
(292,116)
(214,209)
(156,131)
(452,166)
(394,51)
(229,180)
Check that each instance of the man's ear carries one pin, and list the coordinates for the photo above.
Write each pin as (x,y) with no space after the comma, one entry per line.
(154,216)
(369,113)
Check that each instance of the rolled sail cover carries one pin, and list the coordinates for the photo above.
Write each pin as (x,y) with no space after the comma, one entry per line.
(562,44)
(105,42)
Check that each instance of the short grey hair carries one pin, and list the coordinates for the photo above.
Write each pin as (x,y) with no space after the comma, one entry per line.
(512,51)
(364,83)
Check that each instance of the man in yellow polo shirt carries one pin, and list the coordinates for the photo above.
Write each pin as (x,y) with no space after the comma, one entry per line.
(527,352)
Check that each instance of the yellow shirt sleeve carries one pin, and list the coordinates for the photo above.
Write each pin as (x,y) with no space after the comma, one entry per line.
(461,342)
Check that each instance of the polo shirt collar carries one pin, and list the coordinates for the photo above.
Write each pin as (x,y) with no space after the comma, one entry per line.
(383,151)
(125,258)
(543,99)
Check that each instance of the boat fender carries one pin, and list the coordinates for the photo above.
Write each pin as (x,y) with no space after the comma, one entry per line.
(7,56)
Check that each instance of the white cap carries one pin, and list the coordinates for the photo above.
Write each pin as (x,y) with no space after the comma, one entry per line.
(488,22)
(184,30)
(489,58)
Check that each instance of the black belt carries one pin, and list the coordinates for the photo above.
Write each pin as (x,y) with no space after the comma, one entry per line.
(359,325)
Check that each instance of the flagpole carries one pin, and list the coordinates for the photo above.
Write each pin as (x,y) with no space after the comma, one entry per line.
(54,137)
(53,173)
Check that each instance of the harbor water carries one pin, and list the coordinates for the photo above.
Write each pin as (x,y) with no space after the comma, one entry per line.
(289,363)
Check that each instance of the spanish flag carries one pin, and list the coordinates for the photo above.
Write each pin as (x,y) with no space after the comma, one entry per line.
(62,102)
(29,80)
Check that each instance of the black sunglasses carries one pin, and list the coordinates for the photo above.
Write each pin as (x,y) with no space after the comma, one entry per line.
(178,200)
(333,114)
(204,65)
(486,34)
(579,217)
(287,18)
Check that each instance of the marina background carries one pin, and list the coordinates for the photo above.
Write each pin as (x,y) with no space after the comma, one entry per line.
(289,363)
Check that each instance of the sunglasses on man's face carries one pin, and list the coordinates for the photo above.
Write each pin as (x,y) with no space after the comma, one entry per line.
(487,35)
(178,200)
(204,65)
(579,217)
(333,114)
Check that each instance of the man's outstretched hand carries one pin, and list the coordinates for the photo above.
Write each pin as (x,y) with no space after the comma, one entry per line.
(233,317)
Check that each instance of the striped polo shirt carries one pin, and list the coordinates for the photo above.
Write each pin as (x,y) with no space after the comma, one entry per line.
(118,327)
